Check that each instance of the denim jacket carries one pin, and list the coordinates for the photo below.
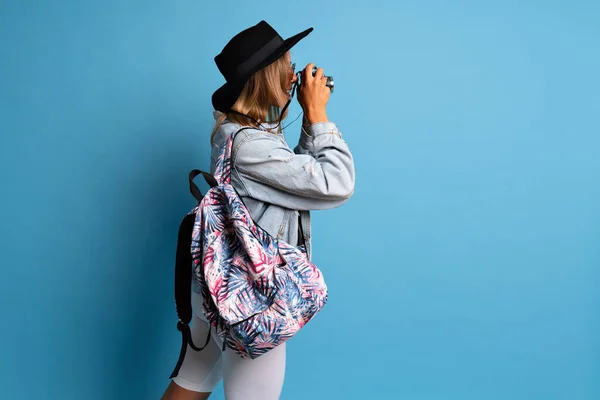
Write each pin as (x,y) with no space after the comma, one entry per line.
(280,186)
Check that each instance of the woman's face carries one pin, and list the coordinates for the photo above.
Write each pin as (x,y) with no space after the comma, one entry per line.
(293,77)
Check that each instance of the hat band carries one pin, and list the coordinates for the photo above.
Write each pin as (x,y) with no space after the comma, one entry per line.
(247,67)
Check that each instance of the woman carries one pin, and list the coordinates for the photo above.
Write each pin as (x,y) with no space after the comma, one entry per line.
(278,185)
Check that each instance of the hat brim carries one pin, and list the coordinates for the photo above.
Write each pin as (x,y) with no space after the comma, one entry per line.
(224,97)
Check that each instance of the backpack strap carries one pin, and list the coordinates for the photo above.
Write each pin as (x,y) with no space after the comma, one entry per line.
(183,274)
(207,177)
(300,231)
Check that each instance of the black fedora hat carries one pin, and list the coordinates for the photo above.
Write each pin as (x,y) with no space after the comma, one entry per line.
(246,53)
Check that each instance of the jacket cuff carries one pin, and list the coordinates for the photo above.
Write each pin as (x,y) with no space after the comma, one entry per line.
(317,129)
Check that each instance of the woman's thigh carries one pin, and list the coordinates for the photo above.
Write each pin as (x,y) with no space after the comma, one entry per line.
(254,379)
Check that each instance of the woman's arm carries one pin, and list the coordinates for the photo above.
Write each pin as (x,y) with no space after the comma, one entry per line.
(318,174)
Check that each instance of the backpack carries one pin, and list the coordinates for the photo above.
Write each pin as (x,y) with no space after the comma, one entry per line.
(257,291)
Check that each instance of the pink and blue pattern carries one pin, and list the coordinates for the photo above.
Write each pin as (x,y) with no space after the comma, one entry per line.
(258,291)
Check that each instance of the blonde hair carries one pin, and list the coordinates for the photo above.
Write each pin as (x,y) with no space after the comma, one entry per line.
(266,88)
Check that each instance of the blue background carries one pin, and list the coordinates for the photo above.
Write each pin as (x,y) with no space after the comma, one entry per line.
(466,266)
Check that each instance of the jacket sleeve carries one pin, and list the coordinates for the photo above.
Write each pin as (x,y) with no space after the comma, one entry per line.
(318,174)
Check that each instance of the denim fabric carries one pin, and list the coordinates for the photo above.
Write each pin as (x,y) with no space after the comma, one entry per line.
(280,186)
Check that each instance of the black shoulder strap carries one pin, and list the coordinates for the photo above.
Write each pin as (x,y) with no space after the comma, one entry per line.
(207,177)
(183,273)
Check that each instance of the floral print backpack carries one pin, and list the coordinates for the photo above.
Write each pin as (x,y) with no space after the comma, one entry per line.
(257,291)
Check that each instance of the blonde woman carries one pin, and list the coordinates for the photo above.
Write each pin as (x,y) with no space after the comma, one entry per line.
(279,186)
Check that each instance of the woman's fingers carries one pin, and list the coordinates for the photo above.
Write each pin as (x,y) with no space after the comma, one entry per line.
(308,76)
(319,75)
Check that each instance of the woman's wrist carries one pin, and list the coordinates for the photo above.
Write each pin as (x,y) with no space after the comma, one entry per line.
(314,117)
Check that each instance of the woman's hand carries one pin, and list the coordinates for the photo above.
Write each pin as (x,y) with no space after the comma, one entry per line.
(313,94)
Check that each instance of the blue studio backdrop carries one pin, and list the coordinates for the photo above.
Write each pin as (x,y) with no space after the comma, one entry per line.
(465,266)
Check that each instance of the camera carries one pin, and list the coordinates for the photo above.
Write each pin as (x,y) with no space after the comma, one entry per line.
(330,84)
